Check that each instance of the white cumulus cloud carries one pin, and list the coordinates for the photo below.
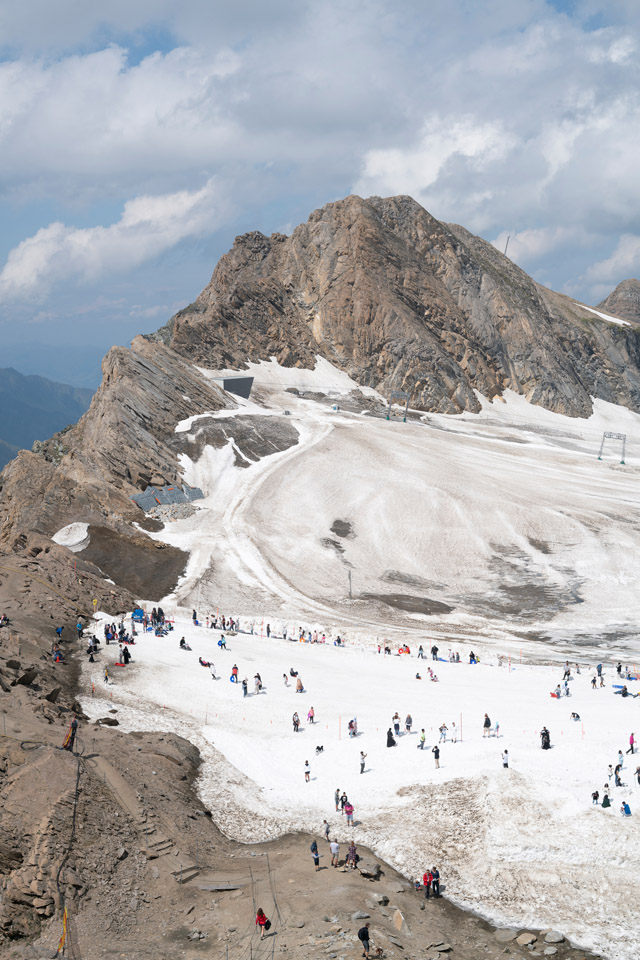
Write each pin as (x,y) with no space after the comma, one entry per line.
(149,225)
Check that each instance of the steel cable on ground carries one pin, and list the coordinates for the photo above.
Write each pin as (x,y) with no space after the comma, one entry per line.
(274,894)
(74,951)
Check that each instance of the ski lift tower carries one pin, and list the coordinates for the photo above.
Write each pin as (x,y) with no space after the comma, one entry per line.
(608,435)
(398,395)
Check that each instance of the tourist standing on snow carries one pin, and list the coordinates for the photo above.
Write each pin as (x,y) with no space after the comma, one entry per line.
(325,829)
(434,652)
(311,716)
(343,801)
(396,723)
(348,809)
(423,738)
(390,741)
(486,726)
(245,687)
(408,723)
(296,722)
(632,743)
(436,756)
(545,739)
(420,653)
(336,797)
(443,733)
(505,758)
(307,772)
(435,873)
(363,757)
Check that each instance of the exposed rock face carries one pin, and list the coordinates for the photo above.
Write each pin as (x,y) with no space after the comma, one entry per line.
(88,473)
(399,300)
(624,301)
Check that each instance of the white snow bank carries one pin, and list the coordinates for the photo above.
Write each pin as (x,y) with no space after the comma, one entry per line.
(74,536)
(524,846)
(606,316)
(324,378)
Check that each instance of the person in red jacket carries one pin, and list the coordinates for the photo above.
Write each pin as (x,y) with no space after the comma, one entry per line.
(262,922)
(427,880)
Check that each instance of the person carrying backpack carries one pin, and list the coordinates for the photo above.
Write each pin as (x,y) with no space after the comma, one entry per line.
(315,855)
(262,922)
(363,937)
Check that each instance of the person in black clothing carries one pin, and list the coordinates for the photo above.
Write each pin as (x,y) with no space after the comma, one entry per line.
(434,652)
(363,937)
(72,734)
(390,740)
(126,656)
(435,873)
(545,739)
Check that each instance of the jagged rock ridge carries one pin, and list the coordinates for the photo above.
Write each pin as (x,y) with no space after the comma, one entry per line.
(624,301)
(399,300)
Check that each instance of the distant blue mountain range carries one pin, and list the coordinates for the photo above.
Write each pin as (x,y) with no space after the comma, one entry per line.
(33,408)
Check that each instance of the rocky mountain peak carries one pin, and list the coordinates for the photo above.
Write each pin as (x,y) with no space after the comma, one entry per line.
(624,301)
(400,300)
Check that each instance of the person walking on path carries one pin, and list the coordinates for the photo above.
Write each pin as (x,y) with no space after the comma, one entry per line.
(71,736)
(336,797)
(632,744)
(486,725)
(307,771)
(363,937)
(427,880)
(423,738)
(315,855)
(436,756)
(435,873)
(505,758)
(334,847)
(434,652)
(261,920)
(363,757)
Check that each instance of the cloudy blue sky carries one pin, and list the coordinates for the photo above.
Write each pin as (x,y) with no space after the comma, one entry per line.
(138,137)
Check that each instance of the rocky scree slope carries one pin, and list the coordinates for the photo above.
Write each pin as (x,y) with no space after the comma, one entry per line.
(399,300)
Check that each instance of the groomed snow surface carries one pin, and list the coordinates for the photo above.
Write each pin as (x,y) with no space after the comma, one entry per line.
(523,846)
